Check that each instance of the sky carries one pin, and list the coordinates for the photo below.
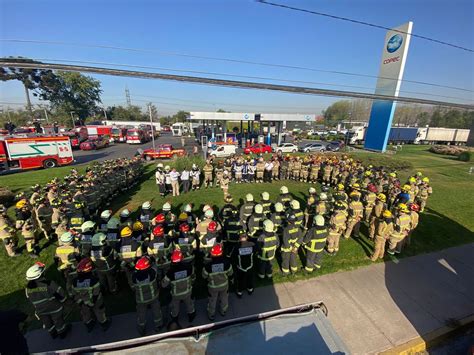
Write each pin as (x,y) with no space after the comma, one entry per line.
(244,30)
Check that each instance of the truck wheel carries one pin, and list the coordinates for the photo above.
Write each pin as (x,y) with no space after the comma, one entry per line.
(50,163)
(148,158)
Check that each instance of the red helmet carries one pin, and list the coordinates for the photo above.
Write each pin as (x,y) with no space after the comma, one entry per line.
(184,227)
(212,227)
(176,256)
(372,188)
(85,265)
(216,250)
(160,218)
(158,231)
(143,263)
(414,207)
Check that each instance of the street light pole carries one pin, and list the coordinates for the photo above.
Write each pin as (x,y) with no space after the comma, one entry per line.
(152,127)
(105,112)
(46,115)
(72,118)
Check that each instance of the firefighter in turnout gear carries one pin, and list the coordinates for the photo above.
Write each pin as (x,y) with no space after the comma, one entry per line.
(159,246)
(314,243)
(255,222)
(384,228)
(297,212)
(180,277)
(246,209)
(129,251)
(186,241)
(88,296)
(242,257)
(322,205)
(369,201)
(424,191)
(414,219)
(379,207)
(145,282)
(113,232)
(260,169)
(104,259)
(291,241)
(285,197)
(278,217)
(103,220)
(7,232)
(267,244)
(218,272)
(266,204)
(212,237)
(227,209)
(337,225)
(146,216)
(401,227)
(356,211)
(44,213)
(67,254)
(233,228)
(85,237)
(47,299)
(77,217)
(208,169)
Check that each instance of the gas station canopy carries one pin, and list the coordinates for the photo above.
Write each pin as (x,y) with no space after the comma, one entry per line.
(251,116)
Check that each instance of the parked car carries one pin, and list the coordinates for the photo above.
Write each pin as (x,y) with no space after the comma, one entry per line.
(286,148)
(94,143)
(314,147)
(223,151)
(258,148)
(334,146)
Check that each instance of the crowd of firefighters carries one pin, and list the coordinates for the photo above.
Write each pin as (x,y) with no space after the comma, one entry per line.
(168,249)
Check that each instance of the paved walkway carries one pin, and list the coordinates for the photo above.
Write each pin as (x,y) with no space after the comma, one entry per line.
(373,308)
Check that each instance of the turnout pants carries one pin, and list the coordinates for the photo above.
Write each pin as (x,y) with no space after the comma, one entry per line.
(176,301)
(288,262)
(333,240)
(244,279)
(220,294)
(156,311)
(265,268)
(313,260)
(53,322)
(98,309)
(352,226)
(207,179)
(107,280)
(379,248)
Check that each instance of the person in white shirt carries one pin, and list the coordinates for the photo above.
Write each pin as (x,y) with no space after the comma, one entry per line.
(267,177)
(174,177)
(185,180)
(160,179)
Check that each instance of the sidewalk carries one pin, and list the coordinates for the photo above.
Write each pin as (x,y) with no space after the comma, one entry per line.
(373,308)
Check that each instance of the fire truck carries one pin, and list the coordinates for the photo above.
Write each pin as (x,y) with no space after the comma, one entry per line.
(163,151)
(34,152)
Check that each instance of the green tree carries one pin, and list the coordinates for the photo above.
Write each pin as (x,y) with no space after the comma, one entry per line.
(73,91)
(129,113)
(337,112)
(181,116)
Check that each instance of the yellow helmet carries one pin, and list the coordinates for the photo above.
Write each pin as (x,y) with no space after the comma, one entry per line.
(368,173)
(20,204)
(403,208)
(137,226)
(387,214)
(382,197)
(406,188)
(340,187)
(356,186)
(412,180)
(126,232)
(311,200)
(393,175)
(425,179)
(183,216)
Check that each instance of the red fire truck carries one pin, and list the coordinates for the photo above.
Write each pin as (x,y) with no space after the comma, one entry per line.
(34,152)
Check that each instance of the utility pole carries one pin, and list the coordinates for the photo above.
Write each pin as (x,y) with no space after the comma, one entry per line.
(105,112)
(28,101)
(72,118)
(127,96)
(46,115)
(152,126)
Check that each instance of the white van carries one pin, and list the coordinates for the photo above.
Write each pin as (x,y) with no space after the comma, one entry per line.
(223,151)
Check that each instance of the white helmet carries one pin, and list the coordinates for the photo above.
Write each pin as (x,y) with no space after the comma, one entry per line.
(283,190)
(279,207)
(35,271)
(188,208)
(167,168)
(319,220)
(249,197)
(87,226)
(159,166)
(66,238)
(209,213)
(194,166)
(258,208)
(167,207)
(146,205)
(106,214)
(265,196)
(206,207)
(268,226)
(295,204)
(124,213)
(312,190)
(323,196)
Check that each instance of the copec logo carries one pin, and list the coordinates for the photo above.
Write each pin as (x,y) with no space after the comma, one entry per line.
(394,43)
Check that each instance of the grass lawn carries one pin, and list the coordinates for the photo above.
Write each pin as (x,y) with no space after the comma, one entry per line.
(447,221)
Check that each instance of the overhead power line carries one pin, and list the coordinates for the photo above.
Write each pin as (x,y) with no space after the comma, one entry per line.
(362,23)
(234,76)
(227,83)
(231,60)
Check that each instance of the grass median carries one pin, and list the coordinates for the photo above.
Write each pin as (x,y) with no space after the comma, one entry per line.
(446,222)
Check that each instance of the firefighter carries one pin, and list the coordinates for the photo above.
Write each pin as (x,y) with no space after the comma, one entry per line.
(225,183)
(227,209)
(44,214)
(267,244)
(327,172)
(414,219)
(208,169)
(278,217)
(284,169)
(242,257)
(201,228)
(285,197)
(22,213)
(260,169)
(291,241)
(209,239)
(340,194)
(356,211)
(309,212)
(186,241)
(401,227)
(369,201)
(266,204)
(276,169)
(104,258)
(145,285)
(159,246)
(314,243)
(129,251)
(170,217)
(180,277)
(113,232)
(247,208)
(7,233)
(28,232)
(104,218)
(337,225)
(125,219)
(297,167)
(379,207)
(322,207)
(66,254)
(384,228)
(85,237)
(196,177)
(138,232)
(233,227)
(218,272)
(425,190)
(297,212)
(88,296)
(146,215)
(255,221)
(47,299)
(314,171)
(77,216)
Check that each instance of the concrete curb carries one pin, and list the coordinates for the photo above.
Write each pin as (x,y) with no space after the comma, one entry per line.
(422,343)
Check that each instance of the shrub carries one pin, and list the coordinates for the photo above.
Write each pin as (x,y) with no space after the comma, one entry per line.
(466,156)
(6,196)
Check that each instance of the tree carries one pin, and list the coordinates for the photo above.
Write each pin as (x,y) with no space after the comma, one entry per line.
(71,91)
(37,80)
(181,116)
(129,113)
(337,112)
